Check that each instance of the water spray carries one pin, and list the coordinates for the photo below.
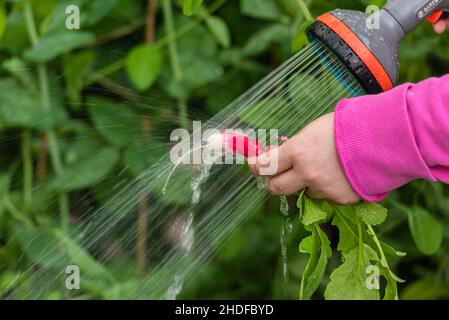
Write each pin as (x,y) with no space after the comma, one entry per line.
(344,59)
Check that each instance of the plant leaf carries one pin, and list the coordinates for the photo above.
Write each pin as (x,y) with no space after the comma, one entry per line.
(190,6)
(261,40)
(144,64)
(80,257)
(57,44)
(267,10)
(426,230)
(220,31)
(371,213)
(347,282)
(312,212)
(300,39)
(117,123)
(347,239)
(314,272)
(86,172)
(41,247)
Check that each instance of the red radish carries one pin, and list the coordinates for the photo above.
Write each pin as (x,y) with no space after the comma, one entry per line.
(237,143)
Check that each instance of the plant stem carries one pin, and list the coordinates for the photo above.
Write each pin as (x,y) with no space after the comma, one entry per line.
(27,166)
(172,47)
(305,10)
(360,247)
(44,88)
(41,166)
(183,114)
(378,245)
(142,212)
(151,21)
(174,59)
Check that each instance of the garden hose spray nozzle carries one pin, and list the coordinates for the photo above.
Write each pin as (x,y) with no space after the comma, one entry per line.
(370,51)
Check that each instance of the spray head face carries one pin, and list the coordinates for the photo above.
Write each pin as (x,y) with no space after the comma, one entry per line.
(370,54)
(367,44)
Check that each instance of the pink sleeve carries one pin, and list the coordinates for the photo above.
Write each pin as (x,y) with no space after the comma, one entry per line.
(386,140)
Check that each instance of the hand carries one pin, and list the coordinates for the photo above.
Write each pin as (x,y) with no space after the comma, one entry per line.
(441,25)
(308,160)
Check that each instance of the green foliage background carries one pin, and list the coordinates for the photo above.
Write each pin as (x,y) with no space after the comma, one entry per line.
(78,108)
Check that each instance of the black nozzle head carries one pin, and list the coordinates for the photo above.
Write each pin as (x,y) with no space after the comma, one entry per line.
(370,54)
(346,55)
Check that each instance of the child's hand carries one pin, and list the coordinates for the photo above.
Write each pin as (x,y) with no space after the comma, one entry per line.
(441,25)
(309,160)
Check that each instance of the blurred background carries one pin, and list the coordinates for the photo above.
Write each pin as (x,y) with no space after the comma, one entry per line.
(163,67)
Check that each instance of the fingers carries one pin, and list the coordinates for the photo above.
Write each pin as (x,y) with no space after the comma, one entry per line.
(285,184)
(272,162)
(440,26)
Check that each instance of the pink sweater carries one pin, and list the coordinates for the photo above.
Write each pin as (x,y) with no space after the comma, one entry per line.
(386,140)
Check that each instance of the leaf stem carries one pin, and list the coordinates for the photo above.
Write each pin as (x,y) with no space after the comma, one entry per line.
(305,10)
(378,245)
(172,46)
(27,166)
(44,88)
(360,247)
(183,114)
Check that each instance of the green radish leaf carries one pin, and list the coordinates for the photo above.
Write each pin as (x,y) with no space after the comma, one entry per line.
(57,44)
(220,31)
(348,281)
(117,123)
(300,39)
(189,7)
(315,269)
(426,230)
(86,172)
(312,212)
(390,251)
(391,288)
(347,235)
(371,213)
(266,10)
(309,245)
(144,64)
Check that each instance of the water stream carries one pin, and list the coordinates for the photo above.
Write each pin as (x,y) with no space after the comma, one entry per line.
(193,209)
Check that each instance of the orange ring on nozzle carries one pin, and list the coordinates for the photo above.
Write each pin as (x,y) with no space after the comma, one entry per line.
(359,48)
